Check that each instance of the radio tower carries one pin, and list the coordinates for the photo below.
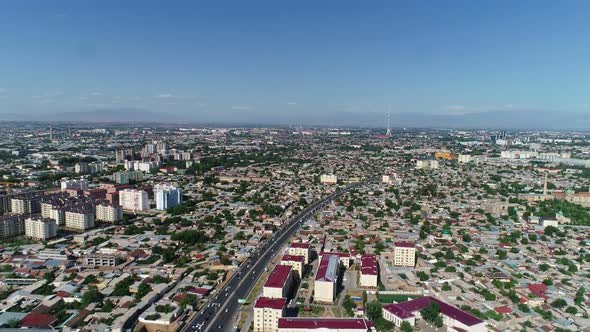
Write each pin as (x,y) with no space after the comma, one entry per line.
(388,133)
(50,132)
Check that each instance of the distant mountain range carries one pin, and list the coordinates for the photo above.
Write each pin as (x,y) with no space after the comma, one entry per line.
(513,119)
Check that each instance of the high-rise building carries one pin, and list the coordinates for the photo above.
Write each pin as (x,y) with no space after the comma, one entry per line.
(134,200)
(80,184)
(167,196)
(404,254)
(40,229)
(79,218)
(11,225)
(108,213)
(26,204)
(82,168)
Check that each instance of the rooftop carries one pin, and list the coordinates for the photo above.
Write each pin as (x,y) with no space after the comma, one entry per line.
(278,276)
(406,309)
(324,323)
(404,244)
(300,245)
(293,258)
(328,268)
(267,302)
(369,265)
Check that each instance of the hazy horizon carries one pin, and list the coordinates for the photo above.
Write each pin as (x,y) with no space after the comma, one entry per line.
(453,64)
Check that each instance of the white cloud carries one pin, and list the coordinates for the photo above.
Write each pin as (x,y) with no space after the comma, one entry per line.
(291,103)
(455,107)
(242,108)
(96,93)
(2,90)
(49,95)
(165,95)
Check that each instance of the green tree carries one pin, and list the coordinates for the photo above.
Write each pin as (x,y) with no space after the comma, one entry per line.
(559,303)
(374,310)
(431,313)
(142,290)
(406,327)
(91,296)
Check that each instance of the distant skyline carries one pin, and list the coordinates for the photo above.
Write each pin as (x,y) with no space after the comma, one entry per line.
(308,62)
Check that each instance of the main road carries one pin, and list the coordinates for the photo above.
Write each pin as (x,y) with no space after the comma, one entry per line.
(218,314)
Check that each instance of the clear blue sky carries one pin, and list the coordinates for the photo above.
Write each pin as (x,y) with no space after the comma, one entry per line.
(220,59)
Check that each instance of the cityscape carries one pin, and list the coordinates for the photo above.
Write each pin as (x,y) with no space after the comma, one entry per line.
(282,229)
(294,166)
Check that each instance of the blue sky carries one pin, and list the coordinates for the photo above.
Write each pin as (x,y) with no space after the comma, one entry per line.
(220,60)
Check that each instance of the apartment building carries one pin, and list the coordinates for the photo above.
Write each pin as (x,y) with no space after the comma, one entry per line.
(40,229)
(27,204)
(328,179)
(267,312)
(369,273)
(404,254)
(300,249)
(326,279)
(167,196)
(279,282)
(296,262)
(134,200)
(78,184)
(79,218)
(11,225)
(109,213)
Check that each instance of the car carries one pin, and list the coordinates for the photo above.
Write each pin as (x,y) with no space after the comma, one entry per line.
(226,310)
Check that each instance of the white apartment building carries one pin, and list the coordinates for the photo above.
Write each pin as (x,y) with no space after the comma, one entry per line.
(40,229)
(328,179)
(300,249)
(296,262)
(134,200)
(404,254)
(267,312)
(464,158)
(79,219)
(326,279)
(369,274)
(79,184)
(144,166)
(279,282)
(56,213)
(109,213)
(25,205)
(427,164)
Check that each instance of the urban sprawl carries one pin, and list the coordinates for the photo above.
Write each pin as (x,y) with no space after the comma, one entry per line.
(167,228)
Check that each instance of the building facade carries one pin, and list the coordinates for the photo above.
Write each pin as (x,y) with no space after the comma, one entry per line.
(267,312)
(404,254)
(167,196)
(40,229)
(109,213)
(133,200)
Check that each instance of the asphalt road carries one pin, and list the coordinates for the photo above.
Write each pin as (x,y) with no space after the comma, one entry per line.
(219,313)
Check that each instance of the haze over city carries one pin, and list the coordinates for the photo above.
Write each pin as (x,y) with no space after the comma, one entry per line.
(451,64)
